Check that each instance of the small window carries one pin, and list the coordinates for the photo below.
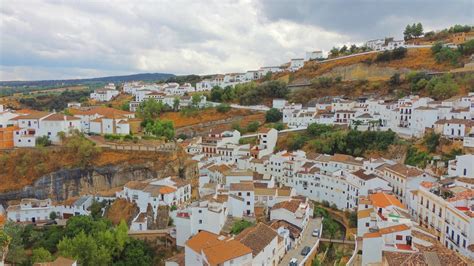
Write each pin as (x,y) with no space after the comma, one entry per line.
(200,221)
(399,237)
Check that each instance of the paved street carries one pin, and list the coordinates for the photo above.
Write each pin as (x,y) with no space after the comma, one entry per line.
(308,240)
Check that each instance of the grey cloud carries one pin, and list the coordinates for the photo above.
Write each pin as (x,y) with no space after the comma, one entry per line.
(371,18)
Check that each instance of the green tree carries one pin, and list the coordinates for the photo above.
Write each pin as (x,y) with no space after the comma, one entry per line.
(330,226)
(442,87)
(43,141)
(216,94)
(160,128)
(85,249)
(273,115)
(418,30)
(431,141)
(16,248)
(195,100)
(316,130)
(395,79)
(334,52)
(447,54)
(125,106)
(96,209)
(81,147)
(53,215)
(41,255)
(436,48)
(135,253)
(467,48)
(150,109)
(253,126)
(223,108)
(176,104)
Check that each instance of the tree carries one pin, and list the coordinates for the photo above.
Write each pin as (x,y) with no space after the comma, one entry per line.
(216,94)
(395,79)
(253,126)
(343,49)
(408,33)
(447,54)
(431,141)
(467,48)
(195,100)
(436,48)
(53,215)
(43,141)
(16,248)
(316,130)
(150,109)
(160,128)
(125,106)
(330,226)
(176,104)
(334,52)
(223,108)
(84,248)
(442,87)
(81,147)
(96,209)
(279,126)
(41,255)
(273,115)
(418,30)
(135,253)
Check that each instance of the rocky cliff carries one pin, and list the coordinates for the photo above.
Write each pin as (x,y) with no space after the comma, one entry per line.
(65,183)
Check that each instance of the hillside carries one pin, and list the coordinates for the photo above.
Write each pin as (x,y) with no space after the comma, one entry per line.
(364,67)
(115,79)
(363,75)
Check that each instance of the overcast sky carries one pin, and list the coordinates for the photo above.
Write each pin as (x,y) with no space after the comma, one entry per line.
(77,39)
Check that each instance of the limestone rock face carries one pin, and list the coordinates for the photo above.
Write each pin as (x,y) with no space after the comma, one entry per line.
(66,183)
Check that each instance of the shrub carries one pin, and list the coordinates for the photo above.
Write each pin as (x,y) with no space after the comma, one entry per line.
(43,141)
(223,108)
(273,115)
(253,126)
(239,226)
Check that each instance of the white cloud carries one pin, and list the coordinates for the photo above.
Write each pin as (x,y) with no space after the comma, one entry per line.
(70,39)
(56,39)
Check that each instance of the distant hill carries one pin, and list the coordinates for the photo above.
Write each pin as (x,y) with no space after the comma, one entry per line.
(69,82)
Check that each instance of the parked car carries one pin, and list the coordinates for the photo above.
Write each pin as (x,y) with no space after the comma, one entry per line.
(305,251)
(315,233)
(293,262)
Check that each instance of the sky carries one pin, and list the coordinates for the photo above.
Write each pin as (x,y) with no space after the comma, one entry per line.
(55,39)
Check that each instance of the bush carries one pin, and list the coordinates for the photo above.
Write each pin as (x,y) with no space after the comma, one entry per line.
(415,157)
(223,108)
(316,130)
(447,54)
(43,141)
(253,126)
(239,226)
(278,126)
(273,115)
(442,87)
(160,128)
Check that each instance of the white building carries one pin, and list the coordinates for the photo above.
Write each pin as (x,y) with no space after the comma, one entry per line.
(296,63)
(105,94)
(206,248)
(462,166)
(313,55)
(296,211)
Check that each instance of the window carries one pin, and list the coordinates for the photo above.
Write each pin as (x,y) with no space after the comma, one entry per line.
(200,221)
(248,203)
(399,237)
(200,211)
(248,194)
(367,224)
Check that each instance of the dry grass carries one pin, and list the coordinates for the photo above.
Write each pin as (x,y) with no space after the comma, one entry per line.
(416,59)
(202,116)
(120,210)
